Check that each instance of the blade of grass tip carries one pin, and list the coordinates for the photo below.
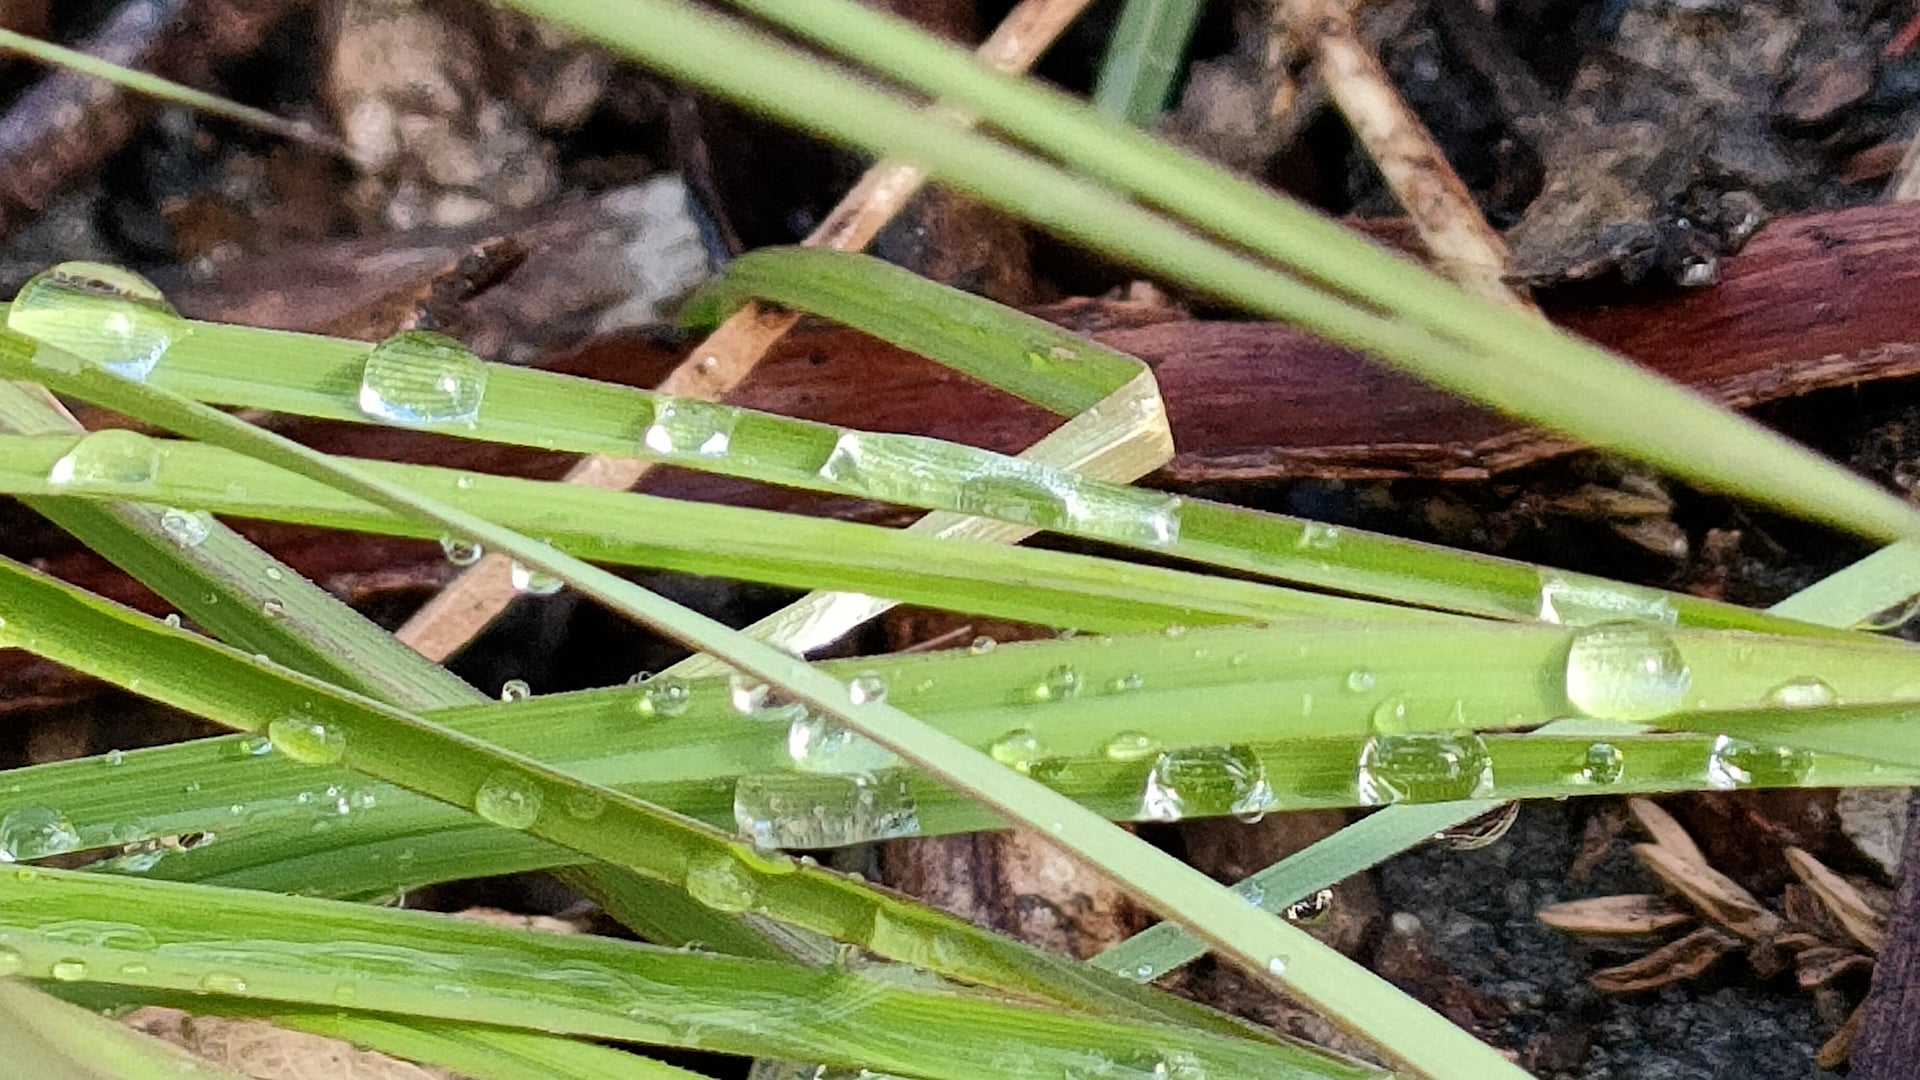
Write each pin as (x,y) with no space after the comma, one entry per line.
(1568,386)
(268,948)
(1143,59)
(154,86)
(1347,993)
(1841,599)
(48,1039)
(719,363)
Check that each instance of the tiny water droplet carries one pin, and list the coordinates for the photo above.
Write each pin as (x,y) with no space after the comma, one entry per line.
(584,805)
(1310,909)
(172,621)
(515,690)
(1060,684)
(98,313)
(460,552)
(188,528)
(112,457)
(816,744)
(1276,965)
(423,377)
(135,971)
(273,608)
(1128,683)
(1360,680)
(116,757)
(746,694)
(308,741)
(508,799)
(1131,746)
(721,882)
(534,582)
(1805,692)
(665,695)
(68,970)
(255,745)
(1604,763)
(867,688)
(11,962)
(1018,748)
(982,645)
(1207,780)
(688,426)
(223,982)
(1318,536)
(1626,671)
(35,832)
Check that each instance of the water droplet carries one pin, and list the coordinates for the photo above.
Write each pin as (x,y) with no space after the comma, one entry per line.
(223,982)
(1128,683)
(1311,909)
(98,313)
(1206,780)
(11,962)
(1360,680)
(688,426)
(1626,671)
(188,528)
(803,810)
(819,745)
(1604,764)
(1018,748)
(1735,763)
(1060,684)
(1579,600)
(665,695)
(254,745)
(1424,767)
(982,645)
(721,882)
(34,832)
(113,457)
(308,741)
(1131,746)
(515,690)
(172,621)
(273,608)
(1390,716)
(508,799)
(534,582)
(1317,536)
(69,970)
(135,971)
(422,377)
(745,694)
(461,552)
(1805,692)
(1276,965)
(116,758)
(867,688)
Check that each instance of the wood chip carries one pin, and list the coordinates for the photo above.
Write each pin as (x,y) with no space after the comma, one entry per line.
(1624,915)
(1677,961)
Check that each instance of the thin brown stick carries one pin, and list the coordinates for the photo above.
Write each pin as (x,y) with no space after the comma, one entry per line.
(474,599)
(1459,241)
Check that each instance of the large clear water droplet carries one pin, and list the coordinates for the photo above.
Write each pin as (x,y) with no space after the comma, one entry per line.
(1626,671)
(508,799)
(422,377)
(113,457)
(35,832)
(1579,600)
(1805,692)
(99,314)
(1735,763)
(308,741)
(1206,780)
(690,427)
(1424,767)
(819,745)
(804,810)
(188,528)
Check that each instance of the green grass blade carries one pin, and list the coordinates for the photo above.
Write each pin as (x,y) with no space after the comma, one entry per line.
(311,952)
(1144,58)
(480,1053)
(48,1039)
(1862,590)
(1567,384)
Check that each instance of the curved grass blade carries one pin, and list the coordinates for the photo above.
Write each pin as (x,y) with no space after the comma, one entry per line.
(1568,385)
(155,935)
(48,1039)
(1347,993)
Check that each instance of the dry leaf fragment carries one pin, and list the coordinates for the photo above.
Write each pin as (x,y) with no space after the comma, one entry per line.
(1676,961)
(1716,895)
(1847,904)
(1665,831)
(1624,915)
